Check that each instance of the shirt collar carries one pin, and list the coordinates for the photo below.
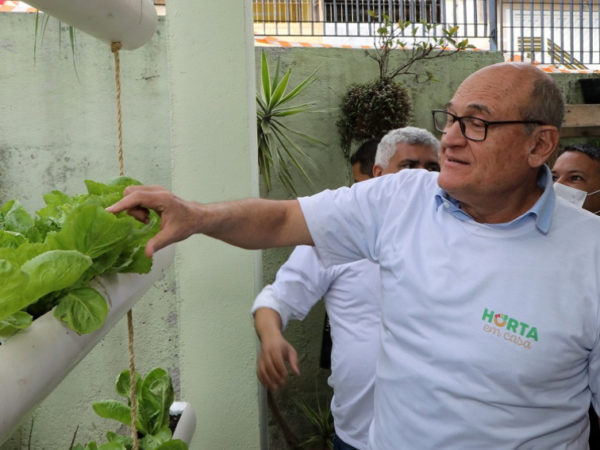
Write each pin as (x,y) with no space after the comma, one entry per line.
(541,211)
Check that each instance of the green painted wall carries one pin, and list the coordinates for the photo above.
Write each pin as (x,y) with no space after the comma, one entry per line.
(189,125)
(211,73)
(57,130)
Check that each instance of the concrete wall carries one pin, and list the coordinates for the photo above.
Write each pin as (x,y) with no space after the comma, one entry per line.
(56,130)
(214,159)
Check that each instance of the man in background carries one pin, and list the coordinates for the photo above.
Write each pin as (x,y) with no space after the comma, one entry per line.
(352,294)
(578,166)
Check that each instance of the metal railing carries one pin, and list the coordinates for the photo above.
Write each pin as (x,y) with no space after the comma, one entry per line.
(565,32)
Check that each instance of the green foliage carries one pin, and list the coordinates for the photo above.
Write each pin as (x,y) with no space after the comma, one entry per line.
(154,397)
(370,110)
(40,32)
(49,261)
(322,421)
(277,152)
(389,38)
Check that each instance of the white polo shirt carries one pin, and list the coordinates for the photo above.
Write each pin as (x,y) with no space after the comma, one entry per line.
(490,333)
(352,295)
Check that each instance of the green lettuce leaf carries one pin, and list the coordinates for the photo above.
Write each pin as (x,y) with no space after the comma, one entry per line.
(175,444)
(11,289)
(11,239)
(125,441)
(17,218)
(92,231)
(157,398)
(123,384)
(53,271)
(84,310)
(18,321)
(152,442)
(112,409)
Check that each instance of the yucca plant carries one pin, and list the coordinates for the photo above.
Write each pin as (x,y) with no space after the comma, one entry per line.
(322,421)
(278,154)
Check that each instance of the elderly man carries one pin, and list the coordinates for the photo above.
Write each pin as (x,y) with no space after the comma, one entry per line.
(490,293)
(352,295)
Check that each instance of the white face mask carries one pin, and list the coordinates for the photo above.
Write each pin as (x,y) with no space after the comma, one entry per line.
(572,195)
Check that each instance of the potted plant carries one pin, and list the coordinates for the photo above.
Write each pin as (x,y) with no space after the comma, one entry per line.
(369,110)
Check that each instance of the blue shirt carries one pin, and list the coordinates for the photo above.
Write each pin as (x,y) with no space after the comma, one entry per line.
(490,334)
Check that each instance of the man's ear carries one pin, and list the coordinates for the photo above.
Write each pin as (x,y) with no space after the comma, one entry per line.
(545,141)
(377,170)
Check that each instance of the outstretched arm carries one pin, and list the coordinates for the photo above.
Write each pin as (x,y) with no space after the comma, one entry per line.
(275,350)
(251,224)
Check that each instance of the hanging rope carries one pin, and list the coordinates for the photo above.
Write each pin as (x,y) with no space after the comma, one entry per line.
(115,47)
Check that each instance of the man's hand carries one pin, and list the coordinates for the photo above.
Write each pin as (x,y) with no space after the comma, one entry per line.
(179,218)
(250,224)
(274,355)
(275,350)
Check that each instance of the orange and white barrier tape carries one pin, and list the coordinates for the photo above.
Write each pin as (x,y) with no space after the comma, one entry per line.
(14,6)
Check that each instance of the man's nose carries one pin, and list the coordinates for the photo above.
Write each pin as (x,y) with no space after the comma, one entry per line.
(453,136)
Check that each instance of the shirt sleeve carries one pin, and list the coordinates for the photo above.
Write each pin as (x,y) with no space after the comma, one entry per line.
(345,224)
(594,374)
(300,283)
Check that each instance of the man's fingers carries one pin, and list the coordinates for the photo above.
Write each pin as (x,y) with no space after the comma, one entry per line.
(160,240)
(266,374)
(293,360)
(139,197)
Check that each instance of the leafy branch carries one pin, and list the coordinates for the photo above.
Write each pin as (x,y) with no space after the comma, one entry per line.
(389,37)
(275,144)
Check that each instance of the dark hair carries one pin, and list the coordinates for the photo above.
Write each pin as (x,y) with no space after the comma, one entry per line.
(587,149)
(546,103)
(365,156)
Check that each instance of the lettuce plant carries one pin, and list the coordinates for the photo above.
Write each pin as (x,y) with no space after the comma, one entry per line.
(48,261)
(154,396)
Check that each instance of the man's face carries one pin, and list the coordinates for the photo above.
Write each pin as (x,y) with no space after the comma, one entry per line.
(579,171)
(410,157)
(358,175)
(490,169)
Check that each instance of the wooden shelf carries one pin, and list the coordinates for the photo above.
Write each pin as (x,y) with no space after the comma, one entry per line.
(581,121)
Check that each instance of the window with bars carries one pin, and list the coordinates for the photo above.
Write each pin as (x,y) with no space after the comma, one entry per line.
(357,11)
(284,10)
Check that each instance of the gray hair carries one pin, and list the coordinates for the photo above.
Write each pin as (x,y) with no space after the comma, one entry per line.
(546,103)
(408,135)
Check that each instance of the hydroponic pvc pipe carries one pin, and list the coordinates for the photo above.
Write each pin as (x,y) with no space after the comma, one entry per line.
(34,361)
(130,22)
(187,422)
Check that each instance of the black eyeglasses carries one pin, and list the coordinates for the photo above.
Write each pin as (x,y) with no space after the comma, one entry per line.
(473,128)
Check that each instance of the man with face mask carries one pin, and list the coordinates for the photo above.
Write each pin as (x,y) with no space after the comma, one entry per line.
(576,174)
(578,168)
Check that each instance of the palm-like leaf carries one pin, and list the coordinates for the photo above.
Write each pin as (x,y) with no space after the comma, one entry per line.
(277,152)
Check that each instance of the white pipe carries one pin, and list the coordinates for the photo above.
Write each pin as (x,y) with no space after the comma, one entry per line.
(130,22)
(34,361)
(187,422)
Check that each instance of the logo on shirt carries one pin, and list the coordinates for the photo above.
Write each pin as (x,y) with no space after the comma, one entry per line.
(509,328)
